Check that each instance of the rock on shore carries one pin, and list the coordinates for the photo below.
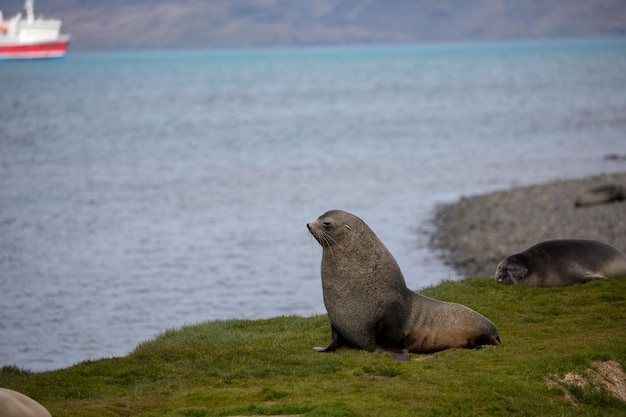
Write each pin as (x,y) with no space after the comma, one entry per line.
(475,233)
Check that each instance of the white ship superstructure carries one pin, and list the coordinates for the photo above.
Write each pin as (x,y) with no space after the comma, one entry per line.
(31,37)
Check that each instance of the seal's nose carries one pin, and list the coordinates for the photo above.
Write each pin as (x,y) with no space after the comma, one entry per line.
(308,226)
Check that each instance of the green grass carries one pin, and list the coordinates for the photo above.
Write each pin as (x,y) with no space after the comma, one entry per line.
(267,367)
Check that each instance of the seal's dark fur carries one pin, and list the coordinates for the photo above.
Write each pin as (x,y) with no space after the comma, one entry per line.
(555,263)
(369,304)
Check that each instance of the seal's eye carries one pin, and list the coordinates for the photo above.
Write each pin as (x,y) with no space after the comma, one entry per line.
(327,224)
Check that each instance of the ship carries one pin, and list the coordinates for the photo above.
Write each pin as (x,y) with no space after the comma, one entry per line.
(30,37)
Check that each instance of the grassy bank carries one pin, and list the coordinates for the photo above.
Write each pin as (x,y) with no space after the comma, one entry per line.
(267,367)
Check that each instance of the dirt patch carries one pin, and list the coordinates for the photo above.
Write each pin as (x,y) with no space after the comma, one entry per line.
(604,376)
(610,375)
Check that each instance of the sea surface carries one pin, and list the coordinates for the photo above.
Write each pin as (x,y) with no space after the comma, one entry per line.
(144,191)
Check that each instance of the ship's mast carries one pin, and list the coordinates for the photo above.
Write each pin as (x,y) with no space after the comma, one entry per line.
(30,15)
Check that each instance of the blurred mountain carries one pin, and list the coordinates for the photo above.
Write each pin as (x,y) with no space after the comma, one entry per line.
(131,24)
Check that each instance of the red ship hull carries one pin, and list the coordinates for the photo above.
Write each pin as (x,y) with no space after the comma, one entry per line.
(33,51)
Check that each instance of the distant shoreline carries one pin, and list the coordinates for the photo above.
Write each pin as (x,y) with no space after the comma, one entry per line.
(473,234)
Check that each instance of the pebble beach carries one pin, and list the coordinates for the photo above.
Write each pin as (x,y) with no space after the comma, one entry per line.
(473,234)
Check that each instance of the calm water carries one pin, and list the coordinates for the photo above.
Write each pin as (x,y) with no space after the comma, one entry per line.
(145,191)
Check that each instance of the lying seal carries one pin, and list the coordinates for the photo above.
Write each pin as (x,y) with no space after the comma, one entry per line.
(555,263)
(369,304)
(15,404)
(601,195)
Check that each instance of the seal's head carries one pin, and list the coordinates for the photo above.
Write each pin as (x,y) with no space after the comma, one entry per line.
(330,227)
(510,271)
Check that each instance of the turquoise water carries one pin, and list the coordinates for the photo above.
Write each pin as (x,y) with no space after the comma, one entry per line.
(147,190)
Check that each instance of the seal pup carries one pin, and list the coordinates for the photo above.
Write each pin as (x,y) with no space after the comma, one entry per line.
(601,195)
(15,404)
(555,263)
(369,305)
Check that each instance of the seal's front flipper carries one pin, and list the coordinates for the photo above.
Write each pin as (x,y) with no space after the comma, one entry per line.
(398,354)
(591,277)
(328,348)
(479,347)
(336,341)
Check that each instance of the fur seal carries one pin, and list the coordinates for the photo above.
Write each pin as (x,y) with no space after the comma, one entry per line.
(555,263)
(601,195)
(15,404)
(369,305)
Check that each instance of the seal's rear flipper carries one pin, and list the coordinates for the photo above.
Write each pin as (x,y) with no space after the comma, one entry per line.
(398,354)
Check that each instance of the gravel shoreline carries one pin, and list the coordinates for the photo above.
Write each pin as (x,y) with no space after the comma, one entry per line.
(475,233)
